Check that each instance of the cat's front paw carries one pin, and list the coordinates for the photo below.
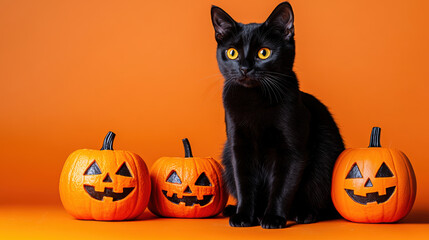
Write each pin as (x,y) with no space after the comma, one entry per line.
(273,221)
(306,218)
(241,220)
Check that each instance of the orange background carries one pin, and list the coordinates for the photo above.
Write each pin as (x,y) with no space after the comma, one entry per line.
(72,70)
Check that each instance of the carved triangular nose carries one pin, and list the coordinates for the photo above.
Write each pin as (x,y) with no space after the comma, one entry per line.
(188,190)
(368,183)
(107,178)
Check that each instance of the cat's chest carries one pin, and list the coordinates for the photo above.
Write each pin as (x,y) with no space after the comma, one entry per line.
(258,124)
(260,135)
(249,104)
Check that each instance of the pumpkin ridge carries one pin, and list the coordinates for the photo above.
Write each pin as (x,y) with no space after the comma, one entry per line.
(69,176)
(115,153)
(152,208)
(141,199)
(397,192)
(126,156)
(218,184)
(138,188)
(409,179)
(411,176)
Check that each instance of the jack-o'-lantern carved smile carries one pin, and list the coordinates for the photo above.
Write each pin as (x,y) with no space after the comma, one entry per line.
(94,169)
(188,199)
(383,171)
(108,192)
(372,196)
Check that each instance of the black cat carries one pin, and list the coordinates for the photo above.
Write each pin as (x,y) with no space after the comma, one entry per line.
(281,143)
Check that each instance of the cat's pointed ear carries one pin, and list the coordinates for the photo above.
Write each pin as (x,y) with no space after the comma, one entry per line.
(282,19)
(223,24)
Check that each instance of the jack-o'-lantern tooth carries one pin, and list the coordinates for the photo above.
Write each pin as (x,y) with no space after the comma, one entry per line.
(99,188)
(200,196)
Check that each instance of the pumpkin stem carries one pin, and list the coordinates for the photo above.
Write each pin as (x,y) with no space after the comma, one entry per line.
(108,141)
(375,137)
(187,146)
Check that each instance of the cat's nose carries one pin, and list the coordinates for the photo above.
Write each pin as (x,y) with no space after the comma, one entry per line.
(244,70)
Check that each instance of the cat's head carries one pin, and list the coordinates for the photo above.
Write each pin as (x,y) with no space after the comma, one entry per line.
(253,55)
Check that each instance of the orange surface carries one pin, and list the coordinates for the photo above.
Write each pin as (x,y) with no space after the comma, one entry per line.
(52,222)
(72,70)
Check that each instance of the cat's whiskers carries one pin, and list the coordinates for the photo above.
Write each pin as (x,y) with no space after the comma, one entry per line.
(214,83)
(283,83)
(276,73)
(275,85)
(265,90)
(228,85)
(272,91)
(210,76)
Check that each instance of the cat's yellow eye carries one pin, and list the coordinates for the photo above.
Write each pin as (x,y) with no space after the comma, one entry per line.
(264,53)
(232,53)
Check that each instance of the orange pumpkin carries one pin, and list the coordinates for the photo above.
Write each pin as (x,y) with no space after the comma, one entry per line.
(187,187)
(105,184)
(373,184)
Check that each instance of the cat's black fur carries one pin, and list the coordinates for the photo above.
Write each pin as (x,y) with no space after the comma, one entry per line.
(281,143)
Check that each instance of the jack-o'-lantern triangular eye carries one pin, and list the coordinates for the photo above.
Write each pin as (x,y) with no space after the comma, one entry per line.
(124,171)
(93,169)
(354,172)
(174,178)
(203,180)
(384,171)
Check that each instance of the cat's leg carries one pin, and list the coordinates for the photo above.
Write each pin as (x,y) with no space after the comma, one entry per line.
(313,207)
(228,177)
(304,212)
(285,177)
(242,164)
(229,210)
(313,202)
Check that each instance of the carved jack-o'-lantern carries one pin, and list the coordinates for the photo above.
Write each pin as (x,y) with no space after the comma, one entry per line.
(373,184)
(104,184)
(187,187)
